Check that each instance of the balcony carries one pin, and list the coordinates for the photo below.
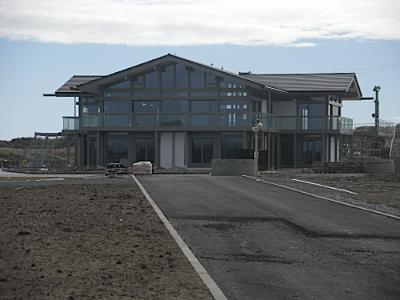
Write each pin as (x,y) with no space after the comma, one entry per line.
(234,120)
(70,123)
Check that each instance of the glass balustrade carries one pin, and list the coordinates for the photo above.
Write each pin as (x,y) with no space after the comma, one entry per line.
(70,123)
(213,120)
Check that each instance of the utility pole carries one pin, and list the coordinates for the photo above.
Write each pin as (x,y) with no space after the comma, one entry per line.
(376,101)
(256,129)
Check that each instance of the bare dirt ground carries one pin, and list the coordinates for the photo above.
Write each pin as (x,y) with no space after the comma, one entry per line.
(87,238)
(376,189)
(379,192)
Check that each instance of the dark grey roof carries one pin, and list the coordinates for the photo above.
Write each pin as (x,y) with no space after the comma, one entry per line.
(68,88)
(332,82)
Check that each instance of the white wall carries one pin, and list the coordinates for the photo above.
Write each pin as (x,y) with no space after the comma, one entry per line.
(166,149)
(172,149)
(179,149)
(332,146)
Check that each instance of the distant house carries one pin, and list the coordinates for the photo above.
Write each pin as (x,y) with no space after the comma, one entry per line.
(179,113)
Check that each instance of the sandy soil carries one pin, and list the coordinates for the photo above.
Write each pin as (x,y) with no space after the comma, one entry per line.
(87,238)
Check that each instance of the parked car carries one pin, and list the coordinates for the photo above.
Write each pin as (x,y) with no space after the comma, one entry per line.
(115,168)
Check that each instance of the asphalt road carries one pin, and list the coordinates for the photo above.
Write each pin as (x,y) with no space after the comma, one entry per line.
(259,241)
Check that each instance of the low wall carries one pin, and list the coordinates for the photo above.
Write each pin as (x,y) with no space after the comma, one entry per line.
(233,167)
(380,166)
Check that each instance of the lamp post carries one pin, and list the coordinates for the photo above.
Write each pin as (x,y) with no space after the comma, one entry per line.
(376,114)
(256,129)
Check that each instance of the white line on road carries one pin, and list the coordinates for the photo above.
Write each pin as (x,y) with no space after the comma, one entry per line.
(324,198)
(325,186)
(200,270)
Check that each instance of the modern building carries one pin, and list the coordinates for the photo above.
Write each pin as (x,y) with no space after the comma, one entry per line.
(179,113)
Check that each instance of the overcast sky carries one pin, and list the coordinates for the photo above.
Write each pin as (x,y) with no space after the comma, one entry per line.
(45,42)
(191,22)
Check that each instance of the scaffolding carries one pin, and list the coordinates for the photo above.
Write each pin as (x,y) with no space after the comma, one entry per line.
(42,152)
(369,141)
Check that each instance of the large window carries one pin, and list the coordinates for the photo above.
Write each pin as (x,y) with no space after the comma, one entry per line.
(147,106)
(202,150)
(232,147)
(233,106)
(310,151)
(168,77)
(89,106)
(145,149)
(117,106)
(175,106)
(203,106)
(310,116)
(152,80)
(197,79)
(117,146)
(182,76)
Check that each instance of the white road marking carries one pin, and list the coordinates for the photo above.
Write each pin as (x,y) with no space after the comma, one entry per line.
(200,270)
(324,198)
(325,186)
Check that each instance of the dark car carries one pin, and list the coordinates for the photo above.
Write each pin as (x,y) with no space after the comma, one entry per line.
(115,168)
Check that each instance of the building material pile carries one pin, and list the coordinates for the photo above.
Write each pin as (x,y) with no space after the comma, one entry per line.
(142,168)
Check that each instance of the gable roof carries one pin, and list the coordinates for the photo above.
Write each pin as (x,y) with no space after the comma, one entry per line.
(170,58)
(345,83)
(312,82)
(69,88)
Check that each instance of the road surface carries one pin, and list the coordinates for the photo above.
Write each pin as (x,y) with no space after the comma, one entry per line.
(259,241)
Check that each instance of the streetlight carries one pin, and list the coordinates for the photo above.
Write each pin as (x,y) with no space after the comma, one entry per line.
(256,129)
(376,114)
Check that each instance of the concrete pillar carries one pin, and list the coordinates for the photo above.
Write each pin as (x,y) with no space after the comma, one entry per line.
(68,142)
(273,152)
(87,151)
(295,150)
(278,152)
(98,149)
(157,148)
(269,148)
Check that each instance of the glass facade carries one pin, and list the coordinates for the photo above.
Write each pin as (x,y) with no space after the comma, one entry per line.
(311,151)
(117,106)
(172,95)
(117,147)
(145,149)
(202,150)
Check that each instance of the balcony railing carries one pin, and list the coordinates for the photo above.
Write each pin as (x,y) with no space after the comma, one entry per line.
(70,123)
(237,120)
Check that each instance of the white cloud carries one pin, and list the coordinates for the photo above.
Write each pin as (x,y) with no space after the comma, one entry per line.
(195,22)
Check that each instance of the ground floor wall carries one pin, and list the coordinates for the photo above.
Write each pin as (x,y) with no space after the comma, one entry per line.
(185,149)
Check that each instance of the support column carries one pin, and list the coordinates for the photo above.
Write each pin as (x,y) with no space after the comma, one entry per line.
(273,152)
(81,151)
(131,148)
(76,150)
(98,149)
(87,151)
(295,151)
(269,149)
(278,152)
(157,148)
(68,142)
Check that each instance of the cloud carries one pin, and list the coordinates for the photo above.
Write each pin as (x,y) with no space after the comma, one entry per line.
(197,22)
